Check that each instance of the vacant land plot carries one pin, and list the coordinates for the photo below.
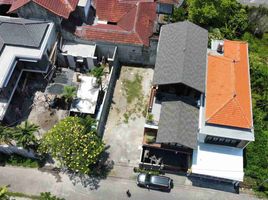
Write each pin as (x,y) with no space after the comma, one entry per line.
(124,128)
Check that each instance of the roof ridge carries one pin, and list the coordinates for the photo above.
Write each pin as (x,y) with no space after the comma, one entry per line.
(29,32)
(185,43)
(135,22)
(241,109)
(227,102)
(118,23)
(127,11)
(88,27)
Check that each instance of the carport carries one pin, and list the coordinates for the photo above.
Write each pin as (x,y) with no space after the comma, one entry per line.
(166,159)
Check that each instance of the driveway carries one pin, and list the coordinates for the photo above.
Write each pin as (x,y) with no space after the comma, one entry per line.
(124,127)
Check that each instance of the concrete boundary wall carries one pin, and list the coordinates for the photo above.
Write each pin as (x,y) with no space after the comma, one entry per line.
(105,107)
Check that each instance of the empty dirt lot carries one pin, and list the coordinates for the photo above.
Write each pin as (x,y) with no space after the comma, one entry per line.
(124,128)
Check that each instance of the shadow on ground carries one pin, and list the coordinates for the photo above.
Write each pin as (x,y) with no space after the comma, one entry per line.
(100,171)
(212,184)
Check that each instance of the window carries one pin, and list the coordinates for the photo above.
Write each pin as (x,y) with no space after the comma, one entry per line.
(222,141)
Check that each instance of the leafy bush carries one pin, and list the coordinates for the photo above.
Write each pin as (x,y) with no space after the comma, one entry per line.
(17,160)
(150,118)
(48,196)
(146,171)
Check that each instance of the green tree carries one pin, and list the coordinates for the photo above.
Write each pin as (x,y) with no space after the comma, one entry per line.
(24,135)
(179,13)
(258,20)
(69,93)
(48,196)
(227,15)
(73,144)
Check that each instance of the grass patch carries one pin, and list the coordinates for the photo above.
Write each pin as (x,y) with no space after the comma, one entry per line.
(126,117)
(133,88)
(19,194)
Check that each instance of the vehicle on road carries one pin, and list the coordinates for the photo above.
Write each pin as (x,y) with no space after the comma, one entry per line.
(154,182)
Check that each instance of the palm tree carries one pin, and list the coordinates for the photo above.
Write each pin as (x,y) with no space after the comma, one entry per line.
(98,72)
(24,135)
(69,93)
(6,135)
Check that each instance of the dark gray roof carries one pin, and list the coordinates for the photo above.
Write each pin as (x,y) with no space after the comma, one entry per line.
(178,123)
(21,32)
(181,55)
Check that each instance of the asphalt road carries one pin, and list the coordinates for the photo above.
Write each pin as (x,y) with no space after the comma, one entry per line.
(32,181)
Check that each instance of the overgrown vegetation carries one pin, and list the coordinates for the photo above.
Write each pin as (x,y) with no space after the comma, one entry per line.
(17,160)
(132,89)
(74,143)
(22,135)
(146,171)
(256,152)
(229,19)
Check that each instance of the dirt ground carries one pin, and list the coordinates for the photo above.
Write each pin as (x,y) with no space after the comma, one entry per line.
(42,116)
(124,128)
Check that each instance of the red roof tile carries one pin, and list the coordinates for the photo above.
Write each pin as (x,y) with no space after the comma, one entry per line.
(228,98)
(134,22)
(61,8)
(7,2)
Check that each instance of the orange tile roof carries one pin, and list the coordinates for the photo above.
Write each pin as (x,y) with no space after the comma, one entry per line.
(228,97)
(61,8)
(134,22)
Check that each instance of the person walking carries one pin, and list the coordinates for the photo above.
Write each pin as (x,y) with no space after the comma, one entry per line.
(128,193)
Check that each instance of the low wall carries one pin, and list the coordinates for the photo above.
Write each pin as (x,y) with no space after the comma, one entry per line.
(7,149)
(105,106)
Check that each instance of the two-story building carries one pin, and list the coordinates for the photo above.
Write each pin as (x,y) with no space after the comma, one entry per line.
(225,117)
(26,46)
(200,111)
(178,83)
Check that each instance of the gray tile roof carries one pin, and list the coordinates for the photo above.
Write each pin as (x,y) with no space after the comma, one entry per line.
(21,32)
(178,123)
(181,55)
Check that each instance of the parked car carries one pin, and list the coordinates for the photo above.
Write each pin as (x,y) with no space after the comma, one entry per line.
(154,182)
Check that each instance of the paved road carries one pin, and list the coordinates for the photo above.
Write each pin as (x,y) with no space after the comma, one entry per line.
(32,181)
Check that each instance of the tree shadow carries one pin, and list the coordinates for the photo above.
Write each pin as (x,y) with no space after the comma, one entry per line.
(100,171)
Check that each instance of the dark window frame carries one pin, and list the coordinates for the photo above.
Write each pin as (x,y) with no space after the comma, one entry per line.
(221,141)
